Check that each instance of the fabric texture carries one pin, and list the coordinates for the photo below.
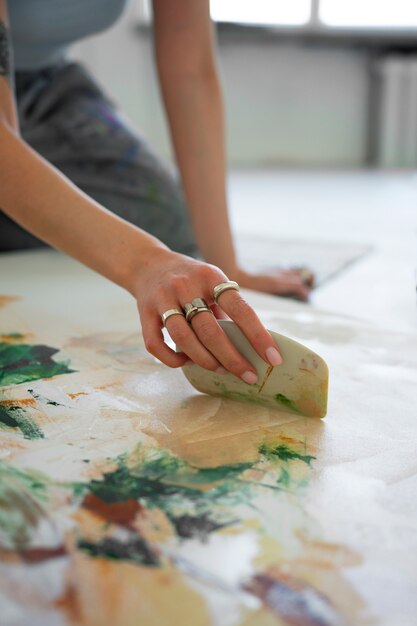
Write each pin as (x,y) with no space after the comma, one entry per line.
(67,119)
(43,30)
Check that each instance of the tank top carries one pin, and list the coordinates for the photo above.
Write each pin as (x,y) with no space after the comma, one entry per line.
(43,30)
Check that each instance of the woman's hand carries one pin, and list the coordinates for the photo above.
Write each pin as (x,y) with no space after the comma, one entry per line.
(296,283)
(169,281)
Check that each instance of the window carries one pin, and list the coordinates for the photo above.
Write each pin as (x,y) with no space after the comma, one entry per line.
(261,12)
(369,13)
(320,14)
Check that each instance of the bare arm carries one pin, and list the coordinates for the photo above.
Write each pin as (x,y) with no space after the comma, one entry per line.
(185,56)
(45,202)
(190,87)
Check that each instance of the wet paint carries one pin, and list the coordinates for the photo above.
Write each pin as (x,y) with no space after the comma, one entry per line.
(286,402)
(11,337)
(135,549)
(32,555)
(6,300)
(195,527)
(293,600)
(23,496)
(15,417)
(195,502)
(40,398)
(24,362)
(283,452)
(255,397)
(158,476)
(121,513)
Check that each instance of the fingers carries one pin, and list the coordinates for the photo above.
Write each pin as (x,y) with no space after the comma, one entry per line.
(182,280)
(295,283)
(155,344)
(204,342)
(213,337)
(291,283)
(185,338)
(218,313)
(307,276)
(245,317)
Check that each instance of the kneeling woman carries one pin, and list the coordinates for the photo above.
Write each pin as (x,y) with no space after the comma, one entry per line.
(75,176)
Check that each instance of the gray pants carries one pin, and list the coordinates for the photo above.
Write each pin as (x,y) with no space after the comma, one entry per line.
(67,119)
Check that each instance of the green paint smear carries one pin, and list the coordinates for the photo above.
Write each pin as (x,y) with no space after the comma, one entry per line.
(283,452)
(161,479)
(15,417)
(20,363)
(284,479)
(23,495)
(197,501)
(251,396)
(13,336)
(289,404)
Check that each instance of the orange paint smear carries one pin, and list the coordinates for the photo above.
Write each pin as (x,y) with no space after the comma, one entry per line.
(5,300)
(121,513)
(267,375)
(24,402)
(303,369)
(10,339)
(32,555)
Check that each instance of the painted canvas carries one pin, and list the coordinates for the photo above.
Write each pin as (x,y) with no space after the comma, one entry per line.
(126,497)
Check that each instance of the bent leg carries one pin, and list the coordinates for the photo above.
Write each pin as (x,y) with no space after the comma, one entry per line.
(66,118)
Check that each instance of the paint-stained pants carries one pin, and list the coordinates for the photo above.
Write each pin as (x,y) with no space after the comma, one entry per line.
(67,119)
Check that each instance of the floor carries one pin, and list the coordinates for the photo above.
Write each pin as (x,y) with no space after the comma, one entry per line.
(371,208)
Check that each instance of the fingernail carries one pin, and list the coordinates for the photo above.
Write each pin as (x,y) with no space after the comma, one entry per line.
(249,377)
(273,356)
(221,370)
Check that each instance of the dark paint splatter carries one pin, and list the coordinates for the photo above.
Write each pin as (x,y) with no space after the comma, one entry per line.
(23,362)
(37,396)
(196,527)
(135,549)
(293,600)
(15,417)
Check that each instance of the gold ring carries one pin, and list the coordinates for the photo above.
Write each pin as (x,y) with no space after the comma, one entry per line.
(198,305)
(168,314)
(218,289)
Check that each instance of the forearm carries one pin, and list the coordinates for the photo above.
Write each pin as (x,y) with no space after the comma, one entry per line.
(46,203)
(194,108)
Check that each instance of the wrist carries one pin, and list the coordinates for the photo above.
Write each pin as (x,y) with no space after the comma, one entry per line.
(151,254)
(238,274)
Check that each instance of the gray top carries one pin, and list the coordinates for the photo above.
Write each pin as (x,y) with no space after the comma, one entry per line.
(42,30)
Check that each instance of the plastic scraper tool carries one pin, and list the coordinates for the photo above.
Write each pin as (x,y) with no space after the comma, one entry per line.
(298,385)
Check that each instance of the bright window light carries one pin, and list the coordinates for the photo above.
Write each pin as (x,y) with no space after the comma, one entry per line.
(263,12)
(369,13)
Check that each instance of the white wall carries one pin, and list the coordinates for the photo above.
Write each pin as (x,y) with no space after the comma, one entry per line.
(286,103)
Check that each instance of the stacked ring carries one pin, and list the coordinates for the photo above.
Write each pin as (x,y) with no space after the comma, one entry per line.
(168,314)
(198,305)
(218,289)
